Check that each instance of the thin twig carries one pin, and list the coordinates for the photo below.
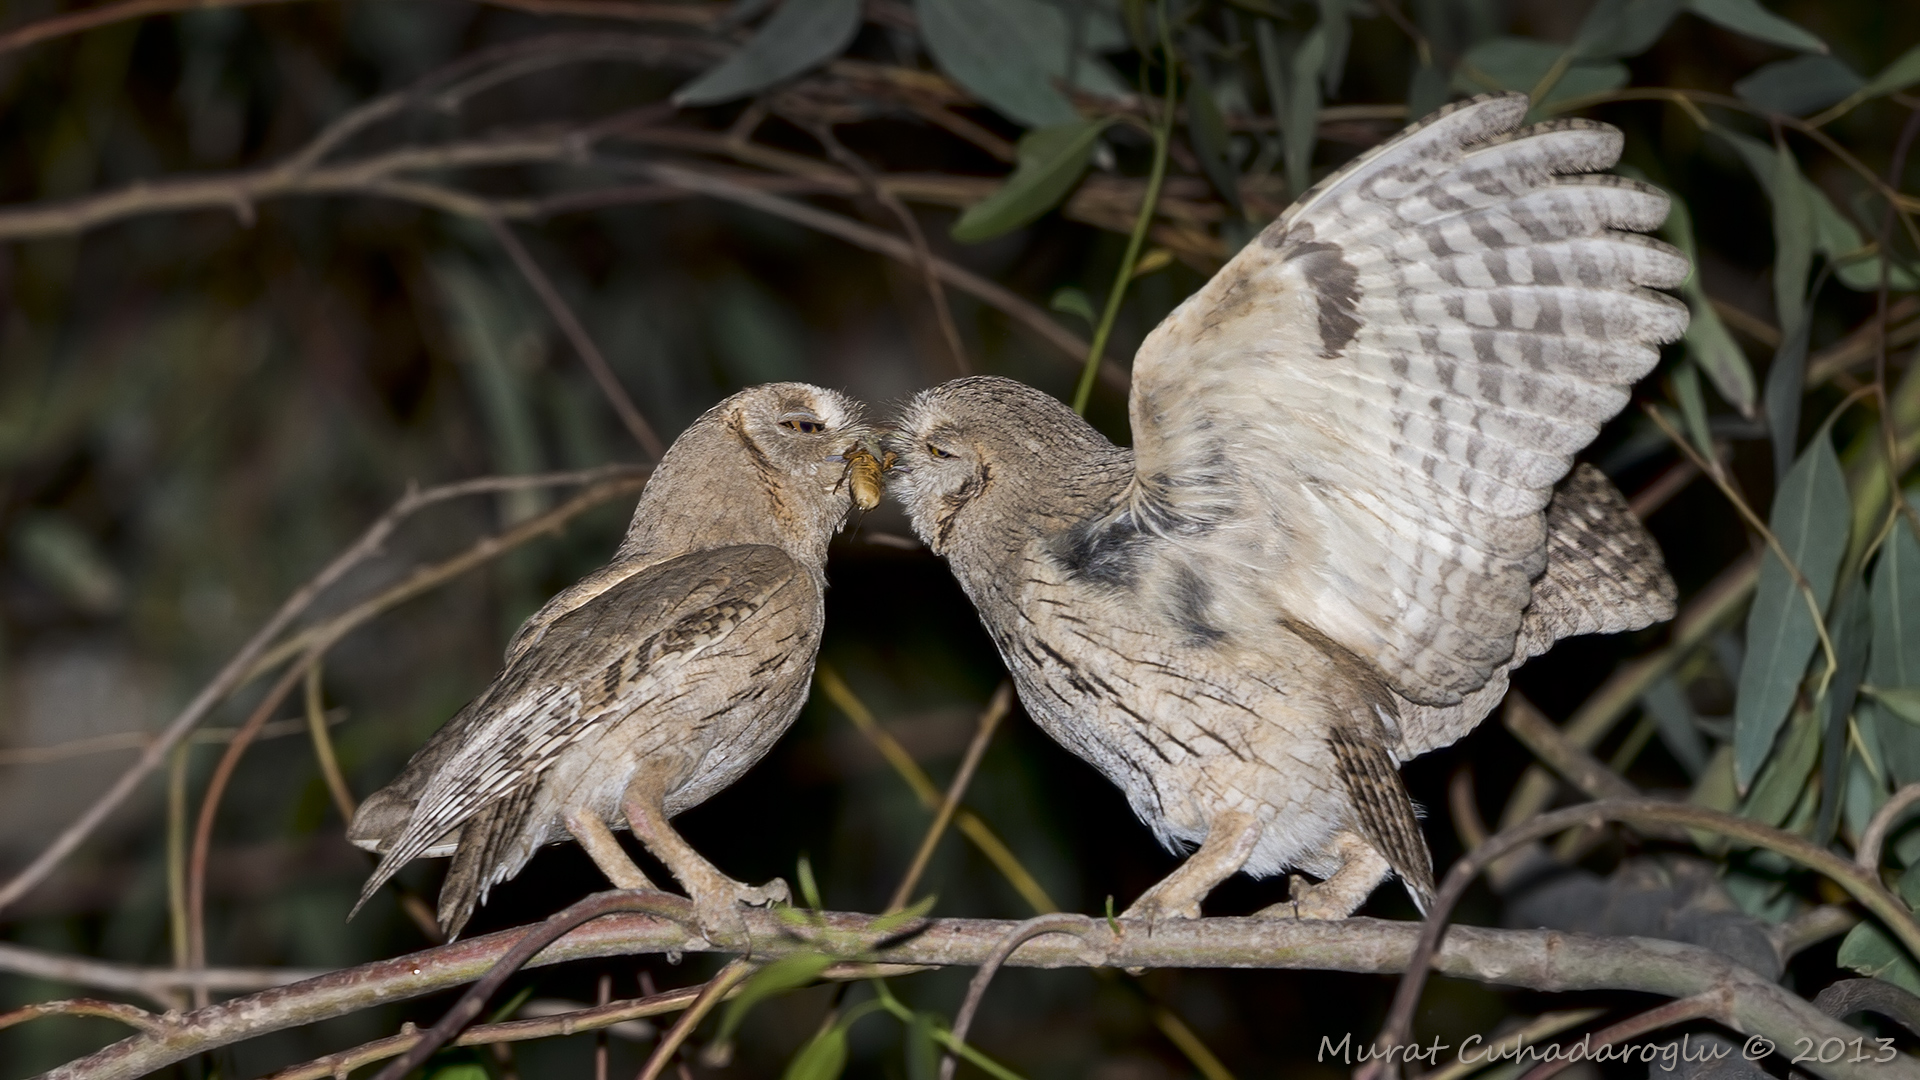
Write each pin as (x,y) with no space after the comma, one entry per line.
(1865,888)
(582,342)
(1149,202)
(93,18)
(970,824)
(323,746)
(210,806)
(253,657)
(922,254)
(996,710)
(1867,855)
(1719,477)
(1544,1026)
(715,991)
(1700,1006)
(139,740)
(112,1010)
(658,905)
(161,984)
(1077,925)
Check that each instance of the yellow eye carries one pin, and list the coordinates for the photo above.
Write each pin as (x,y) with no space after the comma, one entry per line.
(937,452)
(806,427)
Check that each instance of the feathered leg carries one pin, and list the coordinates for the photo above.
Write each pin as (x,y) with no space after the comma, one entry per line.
(714,894)
(598,842)
(1231,838)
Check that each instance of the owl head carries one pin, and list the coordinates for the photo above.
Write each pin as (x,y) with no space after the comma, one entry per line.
(969,452)
(769,465)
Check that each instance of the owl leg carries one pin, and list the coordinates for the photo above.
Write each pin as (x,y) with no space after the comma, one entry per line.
(1362,869)
(598,842)
(1231,837)
(715,895)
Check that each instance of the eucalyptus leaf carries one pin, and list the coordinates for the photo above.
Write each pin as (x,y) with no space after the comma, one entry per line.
(801,34)
(1869,951)
(1786,379)
(1051,161)
(1901,701)
(1614,29)
(1208,131)
(464,1071)
(1800,86)
(923,1057)
(1894,661)
(1810,518)
(1511,63)
(53,549)
(1895,77)
(1010,53)
(1693,406)
(1335,22)
(1708,341)
(822,1059)
(1780,785)
(790,972)
(1302,122)
(1749,18)
(1852,631)
(1673,718)
(1071,301)
(1794,219)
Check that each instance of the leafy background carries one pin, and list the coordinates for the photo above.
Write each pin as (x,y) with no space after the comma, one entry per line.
(202,400)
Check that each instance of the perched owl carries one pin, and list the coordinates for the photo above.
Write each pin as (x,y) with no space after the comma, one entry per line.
(1338,528)
(653,683)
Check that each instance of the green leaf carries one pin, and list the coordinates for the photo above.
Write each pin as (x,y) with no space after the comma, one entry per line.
(1810,517)
(1832,234)
(465,1071)
(1666,701)
(1336,24)
(1799,86)
(923,1057)
(1207,129)
(801,34)
(1050,164)
(1511,63)
(887,924)
(1693,406)
(1010,53)
(1852,630)
(1301,124)
(821,1059)
(790,972)
(1869,951)
(1901,701)
(1708,341)
(59,554)
(1071,301)
(1780,785)
(1749,18)
(1786,379)
(1894,662)
(809,886)
(1619,28)
(1896,76)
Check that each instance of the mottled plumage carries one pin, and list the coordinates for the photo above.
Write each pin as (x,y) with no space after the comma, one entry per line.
(653,683)
(1338,529)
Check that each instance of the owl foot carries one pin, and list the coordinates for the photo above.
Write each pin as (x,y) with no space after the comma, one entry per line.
(717,900)
(1230,840)
(1342,893)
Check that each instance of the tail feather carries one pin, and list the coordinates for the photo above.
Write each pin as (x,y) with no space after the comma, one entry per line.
(492,849)
(1384,812)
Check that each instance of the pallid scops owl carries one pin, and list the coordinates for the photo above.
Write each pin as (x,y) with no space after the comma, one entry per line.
(654,682)
(1338,528)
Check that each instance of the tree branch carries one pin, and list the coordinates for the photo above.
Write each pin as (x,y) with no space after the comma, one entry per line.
(1535,959)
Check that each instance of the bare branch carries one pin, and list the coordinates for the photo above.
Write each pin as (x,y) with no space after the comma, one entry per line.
(1867,856)
(249,661)
(1536,959)
(1061,923)
(157,984)
(995,711)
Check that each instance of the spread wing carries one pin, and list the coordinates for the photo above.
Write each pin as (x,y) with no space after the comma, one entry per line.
(636,645)
(1359,421)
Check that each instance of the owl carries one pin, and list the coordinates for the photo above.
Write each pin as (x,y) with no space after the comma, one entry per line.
(1350,508)
(654,682)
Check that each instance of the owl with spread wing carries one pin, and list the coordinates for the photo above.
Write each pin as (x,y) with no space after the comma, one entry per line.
(1350,508)
(656,681)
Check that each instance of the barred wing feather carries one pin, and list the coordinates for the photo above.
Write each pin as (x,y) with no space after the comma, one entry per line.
(1358,423)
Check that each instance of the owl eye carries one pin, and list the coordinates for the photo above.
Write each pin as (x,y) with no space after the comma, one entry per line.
(805,423)
(937,452)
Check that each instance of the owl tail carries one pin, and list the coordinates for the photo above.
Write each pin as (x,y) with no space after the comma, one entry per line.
(1384,812)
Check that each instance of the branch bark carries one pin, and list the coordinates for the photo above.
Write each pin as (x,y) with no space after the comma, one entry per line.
(1534,959)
